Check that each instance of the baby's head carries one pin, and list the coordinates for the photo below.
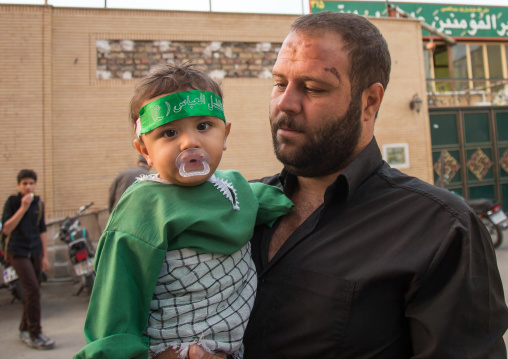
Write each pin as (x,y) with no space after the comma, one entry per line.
(168,79)
(179,121)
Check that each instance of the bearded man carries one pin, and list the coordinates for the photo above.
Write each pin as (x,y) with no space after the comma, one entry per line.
(372,263)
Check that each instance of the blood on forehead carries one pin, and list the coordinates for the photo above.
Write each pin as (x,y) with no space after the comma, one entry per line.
(334,72)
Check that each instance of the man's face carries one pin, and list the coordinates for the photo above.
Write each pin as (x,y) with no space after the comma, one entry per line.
(315,120)
(26,185)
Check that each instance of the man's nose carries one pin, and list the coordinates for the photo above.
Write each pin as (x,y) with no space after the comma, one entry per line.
(290,101)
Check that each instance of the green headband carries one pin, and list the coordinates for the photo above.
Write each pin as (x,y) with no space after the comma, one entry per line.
(176,106)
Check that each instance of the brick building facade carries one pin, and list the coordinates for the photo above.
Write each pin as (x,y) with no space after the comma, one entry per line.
(68,75)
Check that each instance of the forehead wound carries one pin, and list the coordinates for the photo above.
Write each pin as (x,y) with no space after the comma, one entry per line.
(334,72)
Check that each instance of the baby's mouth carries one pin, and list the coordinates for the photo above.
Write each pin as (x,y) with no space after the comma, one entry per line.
(193,162)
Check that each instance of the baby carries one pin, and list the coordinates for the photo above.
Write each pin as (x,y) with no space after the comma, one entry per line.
(173,265)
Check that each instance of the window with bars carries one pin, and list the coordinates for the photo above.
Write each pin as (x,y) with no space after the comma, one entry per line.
(467,74)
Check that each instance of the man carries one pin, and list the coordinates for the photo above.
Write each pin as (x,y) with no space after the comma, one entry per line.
(23,219)
(372,263)
(124,179)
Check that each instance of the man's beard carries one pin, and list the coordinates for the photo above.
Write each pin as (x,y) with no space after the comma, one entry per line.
(328,149)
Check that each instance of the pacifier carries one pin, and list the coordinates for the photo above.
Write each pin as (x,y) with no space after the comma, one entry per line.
(193,162)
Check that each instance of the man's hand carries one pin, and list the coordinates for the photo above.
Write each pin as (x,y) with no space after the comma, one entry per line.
(196,352)
(169,353)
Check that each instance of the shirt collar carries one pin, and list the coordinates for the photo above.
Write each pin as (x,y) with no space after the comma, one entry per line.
(360,169)
(349,179)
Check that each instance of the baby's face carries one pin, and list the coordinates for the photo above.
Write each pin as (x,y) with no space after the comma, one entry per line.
(166,142)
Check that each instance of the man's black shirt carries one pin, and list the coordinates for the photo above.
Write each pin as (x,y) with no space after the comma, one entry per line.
(387,267)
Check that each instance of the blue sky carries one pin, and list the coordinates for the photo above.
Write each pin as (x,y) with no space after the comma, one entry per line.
(253,6)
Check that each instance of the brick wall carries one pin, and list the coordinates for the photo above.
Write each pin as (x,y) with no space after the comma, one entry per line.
(64,116)
(127,59)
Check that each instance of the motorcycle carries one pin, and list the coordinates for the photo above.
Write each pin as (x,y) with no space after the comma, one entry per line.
(81,251)
(10,277)
(493,217)
(10,280)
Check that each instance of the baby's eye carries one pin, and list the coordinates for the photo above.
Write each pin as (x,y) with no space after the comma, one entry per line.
(169,133)
(203,126)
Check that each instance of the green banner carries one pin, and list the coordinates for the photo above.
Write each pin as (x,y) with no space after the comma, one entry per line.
(466,21)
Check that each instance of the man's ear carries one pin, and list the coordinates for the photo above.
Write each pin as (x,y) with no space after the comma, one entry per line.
(141,148)
(228,129)
(371,100)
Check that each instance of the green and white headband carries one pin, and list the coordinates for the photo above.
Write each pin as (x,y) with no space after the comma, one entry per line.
(176,106)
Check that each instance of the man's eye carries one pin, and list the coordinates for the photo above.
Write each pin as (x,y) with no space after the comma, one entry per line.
(203,126)
(169,133)
(312,90)
(279,85)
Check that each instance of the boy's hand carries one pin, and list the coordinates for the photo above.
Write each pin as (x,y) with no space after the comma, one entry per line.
(26,200)
(45,263)
(195,352)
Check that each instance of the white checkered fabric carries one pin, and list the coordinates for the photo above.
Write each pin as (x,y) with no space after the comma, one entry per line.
(202,298)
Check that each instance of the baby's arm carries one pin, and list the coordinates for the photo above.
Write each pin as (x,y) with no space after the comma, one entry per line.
(127,271)
(273,203)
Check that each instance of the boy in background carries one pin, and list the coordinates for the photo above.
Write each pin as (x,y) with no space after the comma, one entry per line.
(25,230)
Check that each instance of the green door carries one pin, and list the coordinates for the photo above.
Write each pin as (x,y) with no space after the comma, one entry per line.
(470,151)
(501,121)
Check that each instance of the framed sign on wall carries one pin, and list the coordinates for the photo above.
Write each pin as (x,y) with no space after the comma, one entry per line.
(396,155)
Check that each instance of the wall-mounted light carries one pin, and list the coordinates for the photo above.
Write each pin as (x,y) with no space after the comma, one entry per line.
(416,103)
(431,45)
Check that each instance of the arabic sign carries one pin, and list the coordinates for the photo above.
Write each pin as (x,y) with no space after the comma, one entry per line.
(466,21)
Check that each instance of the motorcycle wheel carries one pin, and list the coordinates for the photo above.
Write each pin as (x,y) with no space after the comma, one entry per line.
(495,232)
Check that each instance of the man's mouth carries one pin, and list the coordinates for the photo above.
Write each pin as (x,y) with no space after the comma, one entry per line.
(287,127)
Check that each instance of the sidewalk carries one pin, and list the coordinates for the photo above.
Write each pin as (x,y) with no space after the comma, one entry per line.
(63,317)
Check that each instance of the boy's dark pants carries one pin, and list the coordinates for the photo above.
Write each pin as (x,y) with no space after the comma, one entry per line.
(29,272)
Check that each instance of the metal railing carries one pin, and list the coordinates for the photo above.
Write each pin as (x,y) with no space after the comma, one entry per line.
(467,92)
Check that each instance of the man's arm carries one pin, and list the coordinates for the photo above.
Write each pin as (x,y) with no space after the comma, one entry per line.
(45,262)
(457,308)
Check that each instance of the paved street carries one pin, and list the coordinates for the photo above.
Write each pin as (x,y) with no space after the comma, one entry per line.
(63,316)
